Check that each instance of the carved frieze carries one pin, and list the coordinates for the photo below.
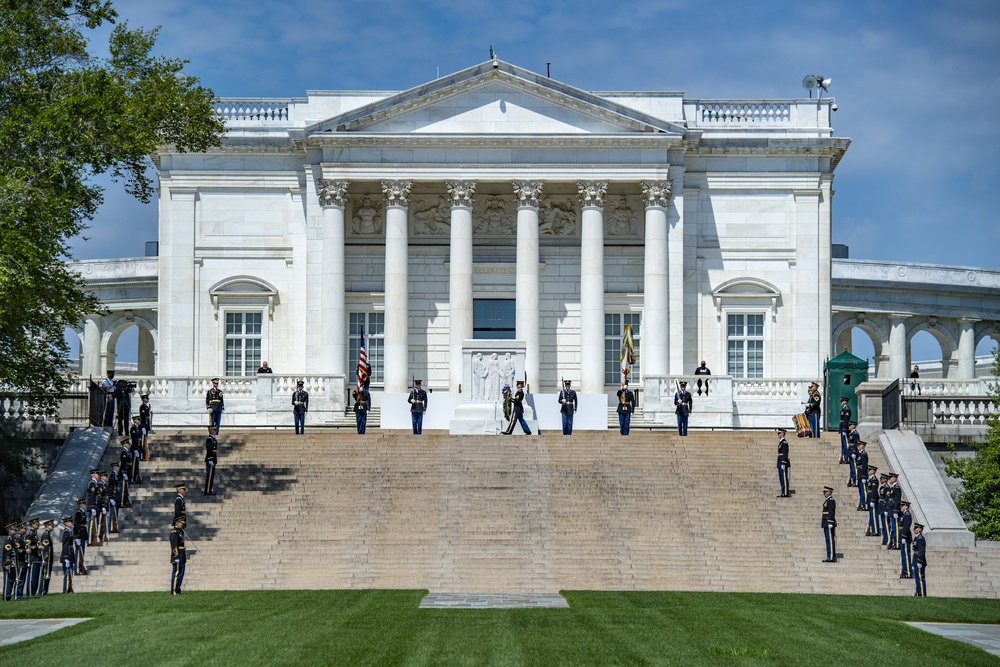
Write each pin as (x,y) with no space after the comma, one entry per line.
(430,216)
(367,215)
(557,216)
(494,215)
(332,192)
(622,217)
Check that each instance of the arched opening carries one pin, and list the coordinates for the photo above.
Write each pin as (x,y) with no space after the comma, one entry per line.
(926,352)
(985,350)
(129,348)
(863,346)
(74,349)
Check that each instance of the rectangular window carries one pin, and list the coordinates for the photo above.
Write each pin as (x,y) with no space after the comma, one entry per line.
(374,324)
(243,343)
(745,345)
(494,319)
(614,329)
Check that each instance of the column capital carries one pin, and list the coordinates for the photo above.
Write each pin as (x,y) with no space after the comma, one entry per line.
(397,193)
(968,320)
(899,318)
(592,192)
(331,192)
(656,193)
(527,193)
(461,193)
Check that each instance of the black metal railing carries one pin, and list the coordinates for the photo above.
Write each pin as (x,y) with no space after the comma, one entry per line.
(891,406)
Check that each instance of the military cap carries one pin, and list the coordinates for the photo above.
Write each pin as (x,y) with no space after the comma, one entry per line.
(417,381)
(884,475)
(567,382)
(892,474)
(852,423)
(918,525)
(11,526)
(95,471)
(180,486)
(520,383)
(862,443)
(845,400)
(299,383)
(904,502)
(48,522)
(828,488)
(683,383)
(180,520)
(34,520)
(136,418)
(215,379)
(115,464)
(144,396)
(813,384)
(124,441)
(781,431)
(873,468)
(81,501)
(67,519)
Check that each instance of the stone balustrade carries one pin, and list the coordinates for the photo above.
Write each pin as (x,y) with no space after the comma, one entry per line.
(962,412)
(255,110)
(944,387)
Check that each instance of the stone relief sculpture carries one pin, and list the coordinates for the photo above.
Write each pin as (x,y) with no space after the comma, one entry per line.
(433,218)
(493,216)
(368,218)
(492,384)
(557,218)
(507,371)
(622,219)
(478,368)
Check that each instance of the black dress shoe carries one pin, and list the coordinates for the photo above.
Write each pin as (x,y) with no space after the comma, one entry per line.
(827,560)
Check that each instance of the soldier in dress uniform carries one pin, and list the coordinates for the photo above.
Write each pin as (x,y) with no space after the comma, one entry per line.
(418,406)
(861,467)
(905,540)
(844,430)
(814,405)
(362,405)
(895,497)
(20,559)
(135,437)
(626,406)
(683,404)
(919,562)
(567,407)
(47,551)
(124,467)
(211,460)
(300,406)
(10,562)
(180,507)
(517,411)
(114,493)
(33,555)
(146,422)
(178,555)
(872,499)
(829,524)
(67,555)
(80,536)
(103,501)
(884,503)
(93,508)
(853,438)
(215,404)
(784,463)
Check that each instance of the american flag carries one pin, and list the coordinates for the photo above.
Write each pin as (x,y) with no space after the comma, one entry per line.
(362,362)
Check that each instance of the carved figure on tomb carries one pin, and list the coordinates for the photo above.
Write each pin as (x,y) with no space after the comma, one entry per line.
(478,374)
(367,218)
(557,218)
(507,370)
(434,219)
(493,383)
(622,220)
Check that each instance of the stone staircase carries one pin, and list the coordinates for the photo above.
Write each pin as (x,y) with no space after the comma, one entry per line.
(529,515)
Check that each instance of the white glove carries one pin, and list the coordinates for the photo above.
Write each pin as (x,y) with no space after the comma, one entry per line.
(112,501)
(93,512)
(77,541)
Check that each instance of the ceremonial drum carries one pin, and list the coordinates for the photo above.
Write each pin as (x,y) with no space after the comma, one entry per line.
(802,426)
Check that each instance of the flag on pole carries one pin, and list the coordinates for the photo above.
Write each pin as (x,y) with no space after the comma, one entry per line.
(627,354)
(362,362)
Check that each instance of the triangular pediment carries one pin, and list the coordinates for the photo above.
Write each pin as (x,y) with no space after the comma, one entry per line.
(495,98)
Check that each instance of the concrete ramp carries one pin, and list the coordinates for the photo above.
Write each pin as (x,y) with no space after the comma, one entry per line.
(67,479)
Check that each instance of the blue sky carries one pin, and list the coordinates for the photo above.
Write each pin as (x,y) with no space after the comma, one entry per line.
(916,84)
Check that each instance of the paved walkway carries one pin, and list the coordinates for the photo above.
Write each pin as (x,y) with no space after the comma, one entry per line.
(493,601)
(980,635)
(21,630)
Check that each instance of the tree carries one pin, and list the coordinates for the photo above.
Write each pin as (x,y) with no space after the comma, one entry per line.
(979,499)
(66,116)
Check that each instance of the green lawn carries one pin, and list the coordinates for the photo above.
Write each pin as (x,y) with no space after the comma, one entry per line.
(386,627)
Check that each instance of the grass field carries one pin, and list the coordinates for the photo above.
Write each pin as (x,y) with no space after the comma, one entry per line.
(600,628)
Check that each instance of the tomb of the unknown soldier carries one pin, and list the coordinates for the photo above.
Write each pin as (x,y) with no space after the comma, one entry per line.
(492,252)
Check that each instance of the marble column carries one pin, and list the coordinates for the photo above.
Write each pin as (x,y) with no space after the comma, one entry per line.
(92,348)
(397,315)
(526,291)
(654,312)
(897,347)
(461,194)
(146,365)
(592,286)
(966,348)
(333,310)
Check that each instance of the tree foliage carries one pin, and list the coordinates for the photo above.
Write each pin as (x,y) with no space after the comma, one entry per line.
(979,499)
(66,116)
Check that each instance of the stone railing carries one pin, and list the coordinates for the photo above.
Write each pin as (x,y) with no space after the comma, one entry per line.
(255,110)
(934,387)
(762,388)
(962,412)
(749,114)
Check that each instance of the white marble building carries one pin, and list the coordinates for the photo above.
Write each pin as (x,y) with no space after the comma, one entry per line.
(496,203)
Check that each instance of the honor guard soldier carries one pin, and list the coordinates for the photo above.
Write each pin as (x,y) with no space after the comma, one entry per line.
(178,555)
(67,555)
(517,411)
(829,524)
(211,460)
(135,438)
(300,406)
(919,562)
(783,465)
(80,536)
(814,406)
(93,496)
(895,497)
(33,555)
(108,387)
(362,405)
(845,428)
(871,500)
(883,508)
(104,502)
(146,422)
(114,493)
(180,507)
(905,540)
(626,406)
(215,404)
(861,469)
(683,404)
(418,406)
(9,563)
(47,551)
(124,466)
(567,407)
(20,560)
(852,456)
